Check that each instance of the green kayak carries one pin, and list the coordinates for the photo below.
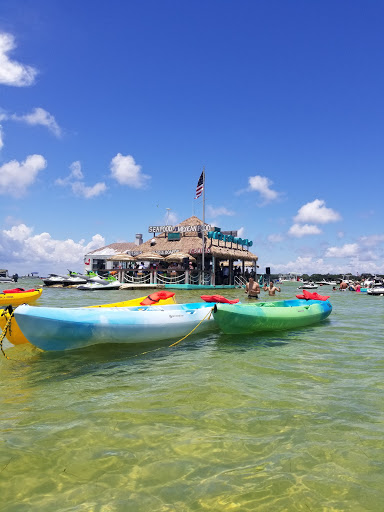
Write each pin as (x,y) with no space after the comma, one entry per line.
(270,316)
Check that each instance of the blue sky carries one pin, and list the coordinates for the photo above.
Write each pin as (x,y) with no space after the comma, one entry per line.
(110,110)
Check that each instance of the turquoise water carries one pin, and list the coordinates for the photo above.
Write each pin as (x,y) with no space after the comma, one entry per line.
(279,422)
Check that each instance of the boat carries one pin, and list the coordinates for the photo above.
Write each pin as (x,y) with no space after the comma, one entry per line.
(109,283)
(347,278)
(71,279)
(70,328)
(376,289)
(19,296)
(74,278)
(16,337)
(308,286)
(269,316)
(54,279)
(4,277)
(324,282)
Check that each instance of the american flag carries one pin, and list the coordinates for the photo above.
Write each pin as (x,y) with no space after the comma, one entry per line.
(200,186)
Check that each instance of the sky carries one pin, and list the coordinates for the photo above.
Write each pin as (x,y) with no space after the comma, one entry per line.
(110,110)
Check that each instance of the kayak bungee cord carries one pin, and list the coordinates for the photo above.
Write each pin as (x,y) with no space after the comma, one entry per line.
(4,332)
(207,316)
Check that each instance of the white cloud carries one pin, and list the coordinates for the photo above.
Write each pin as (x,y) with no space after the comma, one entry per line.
(39,116)
(19,232)
(371,240)
(263,185)
(1,137)
(11,71)
(78,187)
(75,175)
(316,212)
(16,177)
(126,172)
(240,232)
(217,212)
(346,250)
(275,237)
(171,218)
(298,230)
(21,249)
(340,234)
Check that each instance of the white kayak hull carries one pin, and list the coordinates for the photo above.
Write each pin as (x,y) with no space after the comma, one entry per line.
(71,328)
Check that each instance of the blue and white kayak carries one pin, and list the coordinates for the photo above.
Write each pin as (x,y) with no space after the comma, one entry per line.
(69,328)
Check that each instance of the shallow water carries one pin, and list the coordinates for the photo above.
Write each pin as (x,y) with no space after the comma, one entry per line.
(278,422)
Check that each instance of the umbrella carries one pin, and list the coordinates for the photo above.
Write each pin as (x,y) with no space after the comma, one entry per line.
(148,256)
(179,256)
(121,257)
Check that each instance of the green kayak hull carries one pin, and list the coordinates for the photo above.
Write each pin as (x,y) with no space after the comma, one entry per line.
(270,316)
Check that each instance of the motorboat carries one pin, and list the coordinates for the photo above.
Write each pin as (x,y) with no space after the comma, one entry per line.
(324,282)
(270,316)
(376,289)
(308,286)
(71,279)
(54,279)
(51,328)
(108,283)
(74,279)
(4,277)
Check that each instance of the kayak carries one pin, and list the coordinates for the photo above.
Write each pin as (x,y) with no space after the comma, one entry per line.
(270,316)
(71,328)
(16,337)
(19,296)
(158,298)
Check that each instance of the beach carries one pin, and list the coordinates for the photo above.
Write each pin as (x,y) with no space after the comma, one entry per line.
(282,421)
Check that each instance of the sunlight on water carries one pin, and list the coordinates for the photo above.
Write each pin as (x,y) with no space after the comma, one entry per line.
(279,422)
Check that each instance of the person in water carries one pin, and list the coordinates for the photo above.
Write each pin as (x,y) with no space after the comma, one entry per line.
(252,288)
(271,289)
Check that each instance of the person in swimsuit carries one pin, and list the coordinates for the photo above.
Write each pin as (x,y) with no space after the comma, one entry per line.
(252,288)
(271,289)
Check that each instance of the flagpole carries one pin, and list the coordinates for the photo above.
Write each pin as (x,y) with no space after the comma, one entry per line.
(203,232)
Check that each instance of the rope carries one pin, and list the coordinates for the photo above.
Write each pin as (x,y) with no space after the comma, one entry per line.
(4,332)
(207,315)
(176,342)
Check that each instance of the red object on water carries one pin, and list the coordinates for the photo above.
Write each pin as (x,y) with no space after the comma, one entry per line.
(16,290)
(312,296)
(218,298)
(155,297)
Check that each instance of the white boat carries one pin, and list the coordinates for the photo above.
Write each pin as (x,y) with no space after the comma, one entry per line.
(4,277)
(69,328)
(346,279)
(6,280)
(308,286)
(101,285)
(376,289)
(324,282)
(72,278)
(54,279)
(290,277)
